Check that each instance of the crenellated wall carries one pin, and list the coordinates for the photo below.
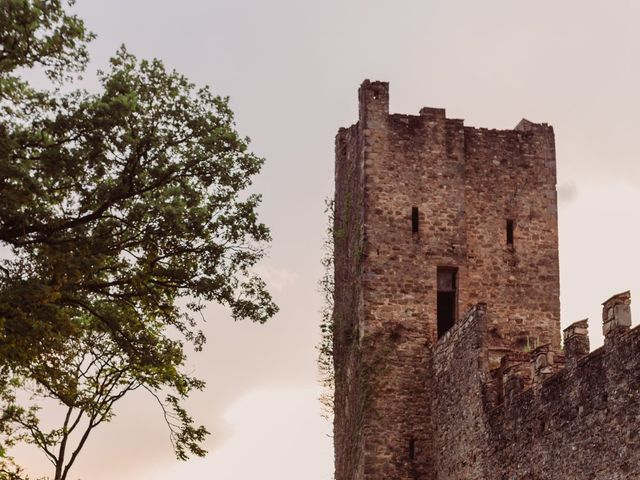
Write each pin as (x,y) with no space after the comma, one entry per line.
(581,423)
(571,416)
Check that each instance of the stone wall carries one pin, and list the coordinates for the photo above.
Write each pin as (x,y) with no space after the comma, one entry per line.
(349,398)
(396,292)
(570,415)
(580,424)
(573,418)
(510,174)
(459,373)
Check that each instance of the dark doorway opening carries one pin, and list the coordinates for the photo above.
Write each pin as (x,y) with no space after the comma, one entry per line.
(447,298)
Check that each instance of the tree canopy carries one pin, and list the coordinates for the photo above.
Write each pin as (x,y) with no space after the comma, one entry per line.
(123,212)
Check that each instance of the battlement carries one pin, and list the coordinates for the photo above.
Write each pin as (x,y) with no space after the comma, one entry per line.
(541,413)
(520,371)
(374,109)
(581,421)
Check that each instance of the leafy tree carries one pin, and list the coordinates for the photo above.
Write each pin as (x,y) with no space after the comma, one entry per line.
(118,208)
(87,379)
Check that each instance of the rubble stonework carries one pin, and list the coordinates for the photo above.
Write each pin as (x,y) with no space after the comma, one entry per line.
(437,221)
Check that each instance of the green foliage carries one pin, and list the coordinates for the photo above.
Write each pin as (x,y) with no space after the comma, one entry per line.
(117,208)
(40,32)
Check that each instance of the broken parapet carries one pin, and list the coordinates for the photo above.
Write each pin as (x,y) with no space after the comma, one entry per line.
(616,315)
(577,422)
(542,363)
(520,370)
(576,341)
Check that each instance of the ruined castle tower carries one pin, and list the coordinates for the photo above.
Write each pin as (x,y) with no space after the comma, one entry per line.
(436,222)
(431,217)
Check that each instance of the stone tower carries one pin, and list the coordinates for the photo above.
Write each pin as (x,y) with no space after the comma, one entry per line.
(432,218)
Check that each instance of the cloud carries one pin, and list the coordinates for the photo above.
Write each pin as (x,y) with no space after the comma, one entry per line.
(278,434)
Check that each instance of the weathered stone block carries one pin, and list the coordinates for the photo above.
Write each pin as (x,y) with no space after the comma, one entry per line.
(576,341)
(616,314)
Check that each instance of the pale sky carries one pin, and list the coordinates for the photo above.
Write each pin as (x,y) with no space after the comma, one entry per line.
(292,69)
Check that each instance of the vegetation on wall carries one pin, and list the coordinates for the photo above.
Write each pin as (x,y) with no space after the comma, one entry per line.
(325,347)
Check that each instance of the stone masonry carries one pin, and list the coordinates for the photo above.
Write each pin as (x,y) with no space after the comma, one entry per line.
(447,347)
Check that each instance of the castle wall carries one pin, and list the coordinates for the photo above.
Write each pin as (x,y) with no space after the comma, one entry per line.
(577,422)
(349,398)
(459,365)
(580,424)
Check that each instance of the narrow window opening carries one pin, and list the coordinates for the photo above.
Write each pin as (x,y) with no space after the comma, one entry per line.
(447,299)
(510,233)
(415,220)
(412,449)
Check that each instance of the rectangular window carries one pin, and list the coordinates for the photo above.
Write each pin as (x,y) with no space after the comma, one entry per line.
(415,220)
(447,299)
(510,233)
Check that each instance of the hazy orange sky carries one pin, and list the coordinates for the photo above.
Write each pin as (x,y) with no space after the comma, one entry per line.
(292,69)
